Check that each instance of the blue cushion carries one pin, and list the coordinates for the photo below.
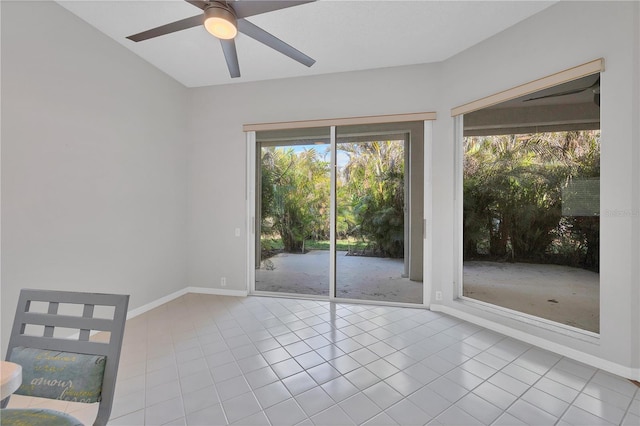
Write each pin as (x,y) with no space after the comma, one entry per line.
(59,375)
(36,417)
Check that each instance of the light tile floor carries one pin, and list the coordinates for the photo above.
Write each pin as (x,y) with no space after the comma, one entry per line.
(214,360)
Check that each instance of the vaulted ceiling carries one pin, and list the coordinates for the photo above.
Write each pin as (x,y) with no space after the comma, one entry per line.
(341,36)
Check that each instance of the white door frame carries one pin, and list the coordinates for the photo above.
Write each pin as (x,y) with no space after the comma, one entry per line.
(427,224)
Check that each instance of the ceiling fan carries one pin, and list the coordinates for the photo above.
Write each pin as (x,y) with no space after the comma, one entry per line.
(224,18)
(595,88)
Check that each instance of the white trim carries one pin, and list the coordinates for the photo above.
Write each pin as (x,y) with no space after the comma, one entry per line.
(458,207)
(592,360)
(574,73)
(251,209)
(427,248)
(217,291)
(379,303)
(158,302)
(284,295)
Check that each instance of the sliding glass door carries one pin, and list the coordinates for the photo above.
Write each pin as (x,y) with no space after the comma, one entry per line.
(339,212)
(373,227)
(292,210)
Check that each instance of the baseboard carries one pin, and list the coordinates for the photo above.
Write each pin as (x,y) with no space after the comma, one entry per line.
(217,291)
(154,304)
(168,298)
(592,360)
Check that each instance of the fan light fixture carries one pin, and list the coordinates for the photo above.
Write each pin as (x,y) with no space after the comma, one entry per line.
(220,22)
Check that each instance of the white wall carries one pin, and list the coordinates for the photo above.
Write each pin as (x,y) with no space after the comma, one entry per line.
(217,153)
(563,36)
(93,165)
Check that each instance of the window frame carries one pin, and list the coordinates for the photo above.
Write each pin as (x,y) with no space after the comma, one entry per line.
(457,113)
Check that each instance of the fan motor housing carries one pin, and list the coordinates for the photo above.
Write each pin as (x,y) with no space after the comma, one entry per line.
(220,20)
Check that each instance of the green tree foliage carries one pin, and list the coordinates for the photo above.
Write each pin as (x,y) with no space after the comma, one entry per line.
(295,195)
(371,195)
(513,197)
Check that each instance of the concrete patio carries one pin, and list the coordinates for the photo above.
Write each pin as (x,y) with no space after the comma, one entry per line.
(357,277)
(558,293)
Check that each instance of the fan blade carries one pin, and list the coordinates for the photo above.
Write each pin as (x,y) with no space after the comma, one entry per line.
(183,24)
(231,56)
(273,42)
(198,3)
(555,95)
(248,8)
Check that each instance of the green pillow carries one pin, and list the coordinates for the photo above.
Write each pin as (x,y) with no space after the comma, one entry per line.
(36,417)
(59,375)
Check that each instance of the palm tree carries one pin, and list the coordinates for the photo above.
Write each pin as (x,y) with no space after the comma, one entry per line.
(295,195)
(371,194)
(513,188)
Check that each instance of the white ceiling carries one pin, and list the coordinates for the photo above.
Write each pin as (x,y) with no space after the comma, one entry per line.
(341,35)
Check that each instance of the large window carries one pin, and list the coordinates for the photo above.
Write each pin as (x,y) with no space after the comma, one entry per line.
(531,203)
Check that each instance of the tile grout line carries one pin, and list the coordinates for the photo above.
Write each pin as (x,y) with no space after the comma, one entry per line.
(578,395)
(633,398)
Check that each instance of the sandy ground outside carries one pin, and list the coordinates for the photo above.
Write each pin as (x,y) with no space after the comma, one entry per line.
(558,293)
(357,277)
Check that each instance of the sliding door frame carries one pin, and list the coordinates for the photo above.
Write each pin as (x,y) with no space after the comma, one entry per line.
(250,199)
(250,194)
(333,209)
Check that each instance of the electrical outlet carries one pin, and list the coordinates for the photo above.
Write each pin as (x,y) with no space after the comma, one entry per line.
(438,295)
(223,281)
(237,232)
